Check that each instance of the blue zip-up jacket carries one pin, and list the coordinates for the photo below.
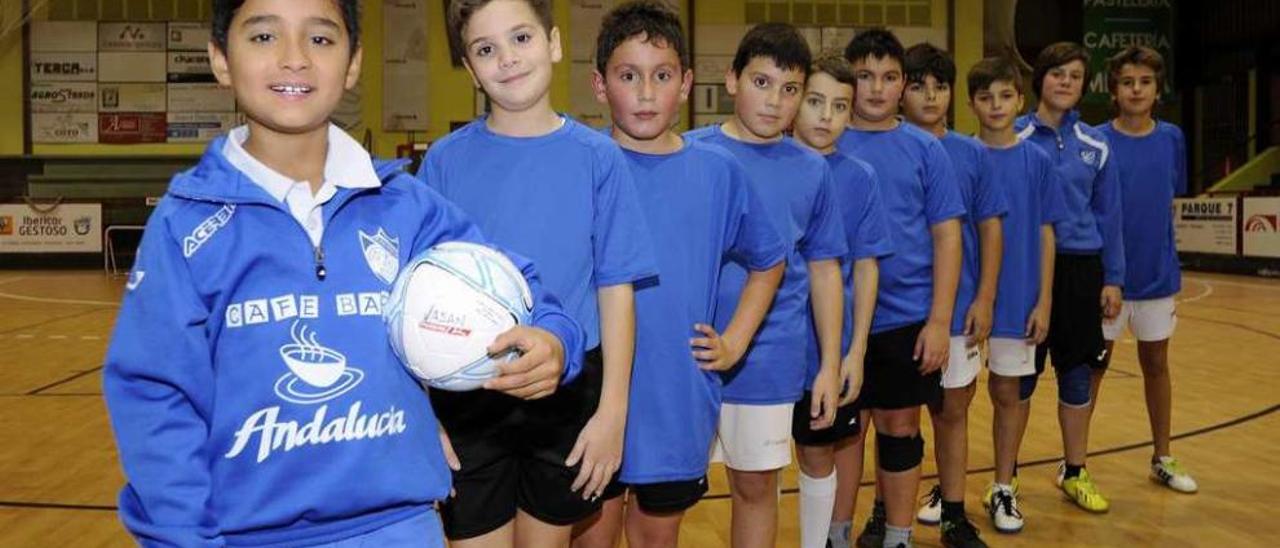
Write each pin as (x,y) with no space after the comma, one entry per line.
(1090,189)
(253,393)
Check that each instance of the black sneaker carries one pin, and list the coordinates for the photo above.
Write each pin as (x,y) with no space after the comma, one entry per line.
(960,534)
(872,535)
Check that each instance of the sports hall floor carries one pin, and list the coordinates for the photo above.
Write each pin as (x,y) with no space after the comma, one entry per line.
(59,475)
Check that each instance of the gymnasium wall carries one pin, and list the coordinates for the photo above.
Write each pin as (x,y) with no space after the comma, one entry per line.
(450,95)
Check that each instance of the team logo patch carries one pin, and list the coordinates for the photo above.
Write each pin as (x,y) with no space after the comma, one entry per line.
(382,252)
(1090,157)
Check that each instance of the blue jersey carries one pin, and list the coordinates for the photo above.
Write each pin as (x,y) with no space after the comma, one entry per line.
(794,184)
(919,189)
(1152,170)
(1090,189)
(701,212)
(257,402)
(565,200)
(1024,174)
(858,195)
(982,201)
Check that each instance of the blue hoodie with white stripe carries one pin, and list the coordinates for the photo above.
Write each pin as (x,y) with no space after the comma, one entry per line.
(253,393)
(1090,189)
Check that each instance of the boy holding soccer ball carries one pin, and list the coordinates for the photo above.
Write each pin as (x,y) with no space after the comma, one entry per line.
(560,193)
(253,395)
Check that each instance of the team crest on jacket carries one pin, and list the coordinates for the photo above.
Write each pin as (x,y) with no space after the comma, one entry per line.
(382,252)
(1090,157)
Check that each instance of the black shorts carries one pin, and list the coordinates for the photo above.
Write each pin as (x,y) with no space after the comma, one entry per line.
(892,377)
(1075,321)
(512,453)
(666,497)
(847,424)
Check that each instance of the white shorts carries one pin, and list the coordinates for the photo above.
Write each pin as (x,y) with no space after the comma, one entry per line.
(1011,357)
(1150,320)
(753,438)
(963,363)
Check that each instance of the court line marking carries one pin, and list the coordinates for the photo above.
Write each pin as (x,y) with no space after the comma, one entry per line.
(51,320)
(1039,462)
(54,384)
(51,300)
(791,491)
(1208,290)
(1057,459)
(1273,287)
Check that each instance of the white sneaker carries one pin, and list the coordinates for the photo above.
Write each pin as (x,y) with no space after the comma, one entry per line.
(931,507)
(1168,472)
(1002,506)
(1062,474)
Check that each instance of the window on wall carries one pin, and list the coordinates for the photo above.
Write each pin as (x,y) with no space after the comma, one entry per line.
(894,13)
(133,10)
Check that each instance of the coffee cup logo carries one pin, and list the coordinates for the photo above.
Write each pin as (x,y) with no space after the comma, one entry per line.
(316,373)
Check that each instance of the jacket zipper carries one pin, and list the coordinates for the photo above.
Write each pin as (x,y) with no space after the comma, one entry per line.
(320,270)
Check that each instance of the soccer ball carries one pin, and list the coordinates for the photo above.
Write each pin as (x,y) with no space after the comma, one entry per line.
(447,307)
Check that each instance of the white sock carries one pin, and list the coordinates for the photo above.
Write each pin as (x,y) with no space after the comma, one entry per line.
(817,499)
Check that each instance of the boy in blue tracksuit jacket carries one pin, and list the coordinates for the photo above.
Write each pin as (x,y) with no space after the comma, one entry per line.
(253,393)
(1089,266)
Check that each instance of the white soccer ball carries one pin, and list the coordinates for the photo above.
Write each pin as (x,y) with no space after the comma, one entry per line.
(447,307)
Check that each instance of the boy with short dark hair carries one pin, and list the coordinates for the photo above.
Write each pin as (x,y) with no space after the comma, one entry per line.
(767,81)
(931,75)
(561,193)
(831,458)
(1024,174)
(701,212)
(262,268)
(1151,157)
(910,333)
(1089,268)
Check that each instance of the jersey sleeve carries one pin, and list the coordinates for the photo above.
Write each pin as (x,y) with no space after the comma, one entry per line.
(824,236)
(623,249)
(870,230)
(942,200)
(442,221)
(158,384)
(750,236)
(1107,209)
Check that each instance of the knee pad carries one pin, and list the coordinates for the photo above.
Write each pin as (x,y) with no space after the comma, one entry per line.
(899,454)
(1027,386)
(1073,385)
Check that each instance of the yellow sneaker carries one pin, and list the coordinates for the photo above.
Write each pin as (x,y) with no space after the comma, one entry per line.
(1084,492)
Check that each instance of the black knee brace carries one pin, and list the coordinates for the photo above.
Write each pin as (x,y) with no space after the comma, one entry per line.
(899,454)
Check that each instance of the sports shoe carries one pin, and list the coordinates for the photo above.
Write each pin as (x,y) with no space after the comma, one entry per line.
(931,507)
(960,534)
(991,487)
(872,535)
(1168,472)
(1084,493)
(1002,506)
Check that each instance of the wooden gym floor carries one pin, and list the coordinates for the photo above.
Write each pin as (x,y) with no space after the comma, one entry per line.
(59,476)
